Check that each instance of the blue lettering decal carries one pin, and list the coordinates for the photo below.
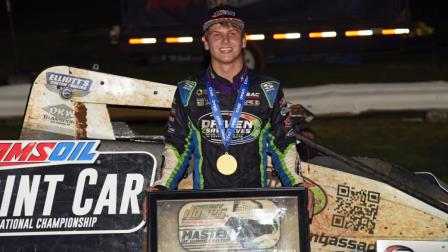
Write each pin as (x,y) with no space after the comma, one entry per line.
(61,151)
(86,153)
(76,151)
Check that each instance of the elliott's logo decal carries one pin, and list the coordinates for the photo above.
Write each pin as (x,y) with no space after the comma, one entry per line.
(63,80)
(67,85)
(20,154)
(247,130)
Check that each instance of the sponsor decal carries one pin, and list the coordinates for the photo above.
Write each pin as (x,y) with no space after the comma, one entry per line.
(268,86)
(201,102)
(319,194)
(270,89)
(67,85)
(252,99)
(247,130)
(73,190)
(188,85)
(251,103)
(60,114)
(253,96)
(356,209)
(337,241)
(25,154)
(235,225)
(185,89)
(223,13)
(201,93)
(398,248)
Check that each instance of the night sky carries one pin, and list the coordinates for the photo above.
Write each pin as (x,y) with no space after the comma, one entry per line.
(47,16)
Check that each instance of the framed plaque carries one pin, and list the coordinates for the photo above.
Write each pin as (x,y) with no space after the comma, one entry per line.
(274,219)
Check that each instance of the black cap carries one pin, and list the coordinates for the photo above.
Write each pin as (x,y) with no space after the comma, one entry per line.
(223,13)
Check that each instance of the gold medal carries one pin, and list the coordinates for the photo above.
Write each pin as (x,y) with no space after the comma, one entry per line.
(226,164)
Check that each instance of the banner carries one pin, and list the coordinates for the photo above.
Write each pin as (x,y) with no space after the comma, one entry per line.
(55,188)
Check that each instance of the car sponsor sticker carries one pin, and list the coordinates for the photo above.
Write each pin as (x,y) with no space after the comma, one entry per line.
(59,115)
(67,85)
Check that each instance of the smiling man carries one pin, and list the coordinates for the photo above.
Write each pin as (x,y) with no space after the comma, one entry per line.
(229,118)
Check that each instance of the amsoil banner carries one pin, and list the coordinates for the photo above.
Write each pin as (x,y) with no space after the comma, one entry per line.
(66,191)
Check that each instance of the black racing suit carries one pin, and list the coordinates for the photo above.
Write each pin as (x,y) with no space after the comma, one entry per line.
(264,127)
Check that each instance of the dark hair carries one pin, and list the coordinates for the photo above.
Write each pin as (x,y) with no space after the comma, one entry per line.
(227,24)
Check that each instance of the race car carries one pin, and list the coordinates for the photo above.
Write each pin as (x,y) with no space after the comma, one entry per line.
(358,201)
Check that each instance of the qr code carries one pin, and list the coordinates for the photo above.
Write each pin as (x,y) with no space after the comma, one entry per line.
(356,209)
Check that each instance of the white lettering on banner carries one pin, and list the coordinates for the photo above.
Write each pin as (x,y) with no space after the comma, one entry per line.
(76,207)
(108,196)
(48,223)
(26,196)
(71,222)
(52,183)
(7,196)
(130,193)
(17,223)
(28,189)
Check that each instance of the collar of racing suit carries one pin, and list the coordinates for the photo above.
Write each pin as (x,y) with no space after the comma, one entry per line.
(223,85)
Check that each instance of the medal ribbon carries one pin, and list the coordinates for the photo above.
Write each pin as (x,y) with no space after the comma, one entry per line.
(226,135)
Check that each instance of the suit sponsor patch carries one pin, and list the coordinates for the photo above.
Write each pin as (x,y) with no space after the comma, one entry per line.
(247,130)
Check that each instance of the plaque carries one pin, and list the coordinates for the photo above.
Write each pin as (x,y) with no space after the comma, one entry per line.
(231,220)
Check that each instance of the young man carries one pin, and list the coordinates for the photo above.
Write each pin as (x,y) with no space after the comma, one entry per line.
(228,117)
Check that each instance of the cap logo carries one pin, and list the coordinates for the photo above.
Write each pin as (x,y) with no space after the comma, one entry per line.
(223,13)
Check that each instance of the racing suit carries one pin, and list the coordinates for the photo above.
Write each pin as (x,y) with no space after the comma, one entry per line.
(264,127)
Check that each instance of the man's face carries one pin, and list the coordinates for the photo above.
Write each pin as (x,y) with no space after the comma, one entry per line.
(225,43)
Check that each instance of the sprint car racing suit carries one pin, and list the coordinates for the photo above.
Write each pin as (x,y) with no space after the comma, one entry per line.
(264,127)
